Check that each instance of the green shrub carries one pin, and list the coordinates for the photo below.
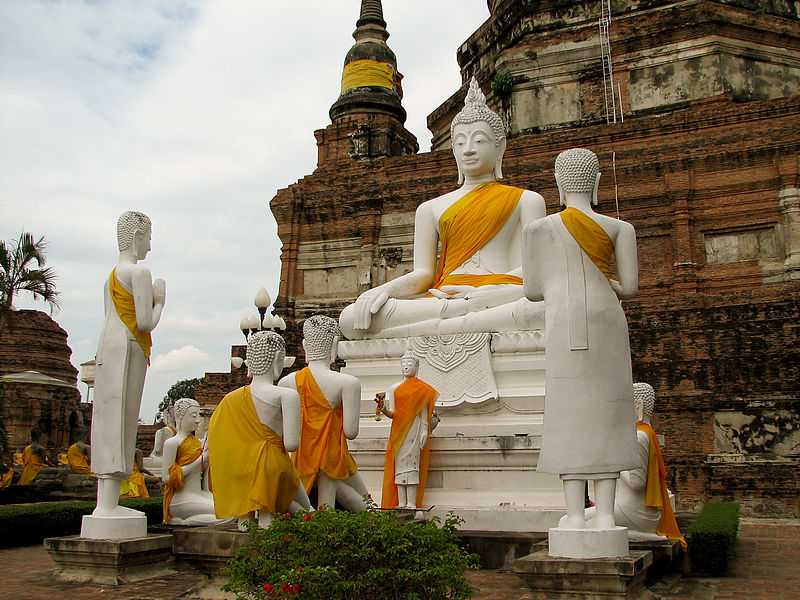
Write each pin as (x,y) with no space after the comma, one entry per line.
(31,523)
(712,537)
(502,84)
(337,555)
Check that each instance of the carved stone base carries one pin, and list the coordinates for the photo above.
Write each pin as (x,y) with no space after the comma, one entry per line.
(484,452)
(208,549)
(114,528)
(110,561)
(597,579)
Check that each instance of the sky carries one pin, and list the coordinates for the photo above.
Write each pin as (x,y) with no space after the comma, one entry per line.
(195,113)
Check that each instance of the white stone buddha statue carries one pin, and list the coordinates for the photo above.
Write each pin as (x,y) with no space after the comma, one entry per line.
(475,284)
(163,434)
(182,463)
(249,435)
(633,509)
(589,422)
(133,305)
(330,416)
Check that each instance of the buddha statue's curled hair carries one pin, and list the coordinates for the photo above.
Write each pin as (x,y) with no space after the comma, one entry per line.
(577,170)
(180,407)
(129,223)
(263,348)
(644,396)
(475,109)
(319,332)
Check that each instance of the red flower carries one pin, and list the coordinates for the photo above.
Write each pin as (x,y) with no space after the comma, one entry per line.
(287,516)
(299,570)
(268,587)
(285,538)
(295,588)
(285,588)
(307,517)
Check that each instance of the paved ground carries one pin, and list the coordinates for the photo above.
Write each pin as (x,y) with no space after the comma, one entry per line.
(767,567)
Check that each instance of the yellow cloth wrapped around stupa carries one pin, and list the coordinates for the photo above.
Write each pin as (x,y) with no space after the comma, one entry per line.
(250,468)
(656,494)
(410,398)
(78,461)
(323,446)
(33,464)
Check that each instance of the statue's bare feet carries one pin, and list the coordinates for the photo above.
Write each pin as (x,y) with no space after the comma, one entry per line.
(604,522)
(118,512)
(572,522)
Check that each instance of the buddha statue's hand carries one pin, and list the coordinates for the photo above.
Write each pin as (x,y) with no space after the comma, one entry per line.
(452,292)
(159,291)
(367,305)
(423,439)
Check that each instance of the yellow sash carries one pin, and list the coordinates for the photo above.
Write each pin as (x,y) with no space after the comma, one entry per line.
(250,469)
(18,459)
(134,486)
(656,494)
(362,73)
(411,397)
(123,302)
(78,461)
(323,446)
(188,452)
(5,478)
(467,226)
(33,464)
(592,238)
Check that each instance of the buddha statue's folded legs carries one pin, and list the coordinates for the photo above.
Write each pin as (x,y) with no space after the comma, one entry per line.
(434,316)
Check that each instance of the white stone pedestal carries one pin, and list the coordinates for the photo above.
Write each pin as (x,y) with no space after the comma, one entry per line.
(588,543)
(485,449)
(114,528)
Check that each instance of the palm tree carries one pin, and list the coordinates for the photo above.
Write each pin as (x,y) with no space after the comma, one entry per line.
(17,273)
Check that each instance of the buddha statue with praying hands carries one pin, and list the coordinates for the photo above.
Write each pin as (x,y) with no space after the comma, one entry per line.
(589,422)
(475,282)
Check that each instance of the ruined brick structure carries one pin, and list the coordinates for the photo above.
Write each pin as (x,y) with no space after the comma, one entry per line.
(706,168)
(35,342)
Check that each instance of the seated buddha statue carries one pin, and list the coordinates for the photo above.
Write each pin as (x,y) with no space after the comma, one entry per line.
(475,282)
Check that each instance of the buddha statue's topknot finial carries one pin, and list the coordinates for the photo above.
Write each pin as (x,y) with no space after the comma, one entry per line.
(475,109)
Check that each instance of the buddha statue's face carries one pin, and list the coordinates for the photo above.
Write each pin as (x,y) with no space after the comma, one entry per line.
(141,241)
(476,151)
(409,367)
(191,419)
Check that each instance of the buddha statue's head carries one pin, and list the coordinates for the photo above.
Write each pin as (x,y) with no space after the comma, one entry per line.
(475,125)
(409,364)
(265,353)
(644,399)
(133,231)
(320,338)
(167,415)
(577,171)
(36,434)
(187,415)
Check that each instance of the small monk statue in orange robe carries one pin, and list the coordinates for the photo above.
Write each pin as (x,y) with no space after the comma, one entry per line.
(329,403)
(410,405)
(33,458)
(79,455)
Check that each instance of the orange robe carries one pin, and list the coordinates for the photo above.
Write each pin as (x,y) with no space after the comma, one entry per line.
(656,494)
(323,446)
(5,478)
(188,452)
(592,238)
(476,218)
(123,303)
(250,468)
(33,464)
(134,486)
(78,461)
(410,398)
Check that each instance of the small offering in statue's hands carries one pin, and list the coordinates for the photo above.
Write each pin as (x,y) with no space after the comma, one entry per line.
(380,398)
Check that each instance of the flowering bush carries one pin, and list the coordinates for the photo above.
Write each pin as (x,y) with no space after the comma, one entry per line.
(337,555)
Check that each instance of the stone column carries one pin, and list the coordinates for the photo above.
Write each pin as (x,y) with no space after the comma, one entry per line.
(789,202)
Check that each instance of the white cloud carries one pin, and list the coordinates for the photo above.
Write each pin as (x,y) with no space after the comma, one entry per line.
(180,359)
(195,113)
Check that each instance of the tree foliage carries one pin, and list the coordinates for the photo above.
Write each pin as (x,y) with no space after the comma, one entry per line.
(22,270)
(180,389)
